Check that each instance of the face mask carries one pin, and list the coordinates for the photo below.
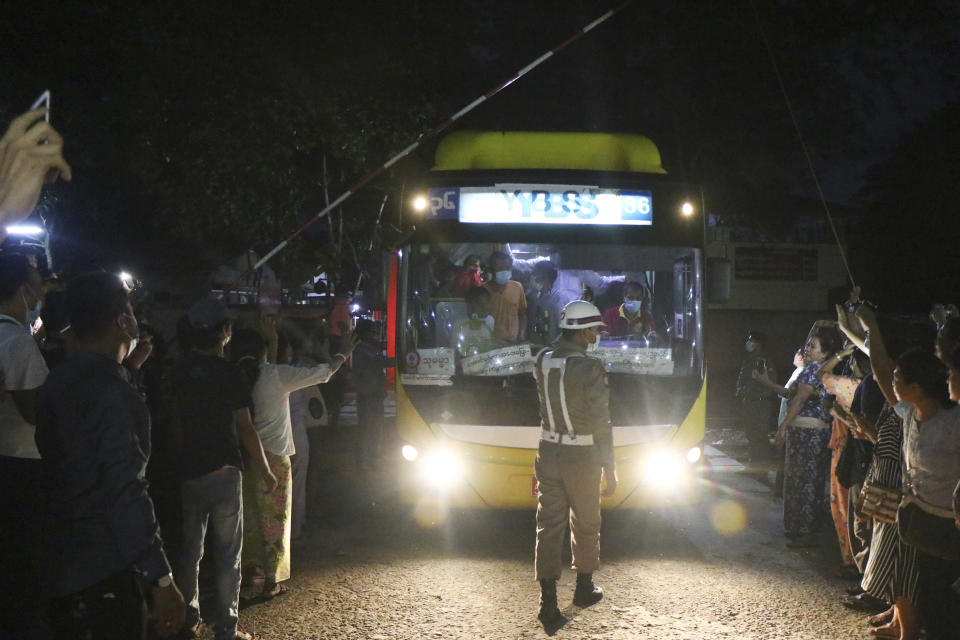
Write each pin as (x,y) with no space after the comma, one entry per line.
(633,306)
(502,277)
(750,346)
(593,346)
(32,315)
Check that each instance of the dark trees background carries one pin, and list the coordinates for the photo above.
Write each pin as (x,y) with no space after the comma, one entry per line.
(199,130)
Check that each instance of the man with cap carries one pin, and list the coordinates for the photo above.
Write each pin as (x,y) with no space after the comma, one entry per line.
(576,450)
(212,420)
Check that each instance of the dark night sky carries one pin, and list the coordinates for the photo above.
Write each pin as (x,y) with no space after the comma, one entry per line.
(177,115)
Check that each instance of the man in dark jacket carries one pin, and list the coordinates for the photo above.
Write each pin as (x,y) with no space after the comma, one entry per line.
(756,401)
(369,379)
(102,550)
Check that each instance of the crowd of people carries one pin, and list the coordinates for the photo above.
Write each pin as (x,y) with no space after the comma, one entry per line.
(507,303)
(868,427)
(869,431)
(107,440)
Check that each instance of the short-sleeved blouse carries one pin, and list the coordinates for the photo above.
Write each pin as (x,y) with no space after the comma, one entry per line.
(931,457)
(813,405)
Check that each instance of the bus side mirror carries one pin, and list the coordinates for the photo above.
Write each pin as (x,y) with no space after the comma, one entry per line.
(719,280)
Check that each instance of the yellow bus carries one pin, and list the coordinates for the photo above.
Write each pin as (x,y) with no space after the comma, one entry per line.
(600,212)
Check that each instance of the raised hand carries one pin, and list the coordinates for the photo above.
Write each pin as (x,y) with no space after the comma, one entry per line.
(31,155)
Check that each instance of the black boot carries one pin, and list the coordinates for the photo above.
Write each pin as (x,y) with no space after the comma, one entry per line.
(549,612)
(586,592)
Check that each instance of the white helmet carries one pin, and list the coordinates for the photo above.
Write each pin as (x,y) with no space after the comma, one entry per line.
(580,314)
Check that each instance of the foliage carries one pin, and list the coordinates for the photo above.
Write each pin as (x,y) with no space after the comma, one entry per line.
(913,197)
(199,130)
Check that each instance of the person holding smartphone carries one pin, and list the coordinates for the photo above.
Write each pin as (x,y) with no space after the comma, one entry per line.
(756,402)
(31,156)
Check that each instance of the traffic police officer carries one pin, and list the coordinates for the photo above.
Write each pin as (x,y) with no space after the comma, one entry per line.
(576,449)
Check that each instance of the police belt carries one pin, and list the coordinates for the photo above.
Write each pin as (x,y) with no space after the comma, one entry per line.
(585,440)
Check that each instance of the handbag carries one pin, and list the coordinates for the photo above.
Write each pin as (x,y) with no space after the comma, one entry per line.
(879,503)
(929,534)
(845,463)
(853,461)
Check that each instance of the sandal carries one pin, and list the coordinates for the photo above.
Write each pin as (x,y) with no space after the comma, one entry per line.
(278,589)
(881,619)
(886,631)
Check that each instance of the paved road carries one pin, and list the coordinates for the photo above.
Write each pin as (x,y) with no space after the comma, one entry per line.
(716,570)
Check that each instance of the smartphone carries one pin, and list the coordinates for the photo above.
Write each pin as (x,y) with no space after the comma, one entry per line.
(43,102)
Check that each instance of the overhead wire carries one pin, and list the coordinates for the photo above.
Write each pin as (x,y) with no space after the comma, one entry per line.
(330,206)
(803,144)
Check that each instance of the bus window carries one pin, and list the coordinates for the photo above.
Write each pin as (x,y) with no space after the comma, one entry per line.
(648,296)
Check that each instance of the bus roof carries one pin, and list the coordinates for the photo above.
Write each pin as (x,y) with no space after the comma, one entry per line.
(473,150)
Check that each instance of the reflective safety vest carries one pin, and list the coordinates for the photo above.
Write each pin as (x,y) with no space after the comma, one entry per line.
(551,388)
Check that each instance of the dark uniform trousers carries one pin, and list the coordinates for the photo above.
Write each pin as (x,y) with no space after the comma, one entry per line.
(569,481)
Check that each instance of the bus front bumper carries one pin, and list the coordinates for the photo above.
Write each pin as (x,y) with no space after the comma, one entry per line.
(448,479)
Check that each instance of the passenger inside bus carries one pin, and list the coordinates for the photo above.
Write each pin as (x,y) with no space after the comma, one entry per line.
(549,301)
(633,316)
(468,277)
(447,282)
(528,284)
(587,294)
(473,335)
(508,303)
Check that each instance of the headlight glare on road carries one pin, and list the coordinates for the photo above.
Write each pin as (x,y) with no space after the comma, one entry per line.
(693,455)
(664,468)
(441,466)
(409,452)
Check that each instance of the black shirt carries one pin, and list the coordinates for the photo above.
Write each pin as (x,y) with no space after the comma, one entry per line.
(93,432)
(208,390)
(868,399)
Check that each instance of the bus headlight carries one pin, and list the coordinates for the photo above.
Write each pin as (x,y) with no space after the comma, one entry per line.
(420,203)
(409,452)
(663,468)
(693,455)
(441,466)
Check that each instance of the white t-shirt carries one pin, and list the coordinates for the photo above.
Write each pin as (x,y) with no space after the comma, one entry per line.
(271,402)
(471,336)
(23,369)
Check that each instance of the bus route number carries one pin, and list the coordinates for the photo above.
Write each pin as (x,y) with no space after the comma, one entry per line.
(635,206)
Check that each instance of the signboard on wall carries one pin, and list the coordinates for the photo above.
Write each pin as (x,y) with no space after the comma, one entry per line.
(775,263)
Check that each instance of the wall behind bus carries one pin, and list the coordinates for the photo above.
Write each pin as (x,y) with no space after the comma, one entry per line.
(726,335)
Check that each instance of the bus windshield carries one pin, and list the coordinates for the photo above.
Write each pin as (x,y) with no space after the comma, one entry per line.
(481,310)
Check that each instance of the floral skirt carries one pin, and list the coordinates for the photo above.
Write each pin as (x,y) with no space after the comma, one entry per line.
(806,470)
(266,520)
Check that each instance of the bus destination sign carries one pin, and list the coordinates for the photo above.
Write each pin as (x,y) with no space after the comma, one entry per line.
(541,204)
